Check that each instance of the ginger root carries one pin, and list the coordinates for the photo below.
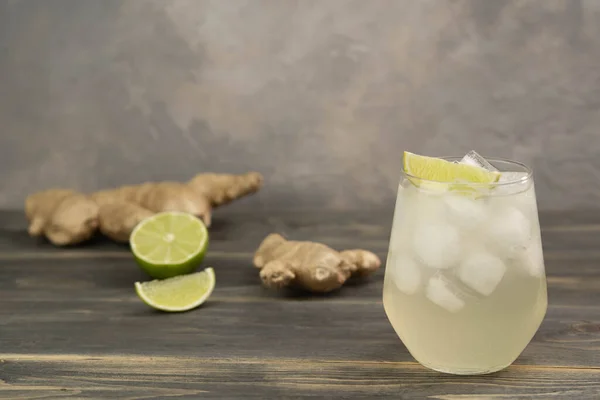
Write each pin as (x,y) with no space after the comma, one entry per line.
(67,217)
(63,216)
(309,265)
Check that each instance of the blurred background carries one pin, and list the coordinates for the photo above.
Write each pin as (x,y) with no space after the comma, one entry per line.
(322,97)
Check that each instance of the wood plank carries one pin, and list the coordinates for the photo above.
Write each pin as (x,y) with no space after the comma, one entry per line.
(570,218)
(242,232)
(228,217)
(571,283)
(72,307)
(134,377)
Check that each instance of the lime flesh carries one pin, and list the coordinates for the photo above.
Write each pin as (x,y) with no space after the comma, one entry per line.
(434,172)
(169,244)
(177,294)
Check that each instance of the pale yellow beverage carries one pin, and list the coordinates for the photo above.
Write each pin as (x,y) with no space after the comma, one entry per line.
(465,286)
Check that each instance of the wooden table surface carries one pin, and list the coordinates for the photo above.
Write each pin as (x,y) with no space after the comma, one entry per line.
(71,325)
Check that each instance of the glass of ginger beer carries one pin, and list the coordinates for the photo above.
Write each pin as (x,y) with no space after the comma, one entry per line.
(465,285)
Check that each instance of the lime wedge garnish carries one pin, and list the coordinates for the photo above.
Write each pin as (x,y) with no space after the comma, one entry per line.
(180,293)
(169,244)
(431,170)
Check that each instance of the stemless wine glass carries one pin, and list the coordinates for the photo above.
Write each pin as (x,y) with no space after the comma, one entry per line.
(465,284)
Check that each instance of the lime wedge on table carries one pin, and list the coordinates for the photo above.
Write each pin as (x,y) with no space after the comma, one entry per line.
(169,244)
(180,293)
(435,170)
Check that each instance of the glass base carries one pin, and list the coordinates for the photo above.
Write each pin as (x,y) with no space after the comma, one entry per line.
(445,370)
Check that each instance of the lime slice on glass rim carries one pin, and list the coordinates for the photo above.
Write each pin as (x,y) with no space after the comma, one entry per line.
(433,173)
(169,244)
(177,294)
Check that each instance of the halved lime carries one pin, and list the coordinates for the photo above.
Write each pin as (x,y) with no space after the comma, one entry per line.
(180,293)
(168,244)
(436,170)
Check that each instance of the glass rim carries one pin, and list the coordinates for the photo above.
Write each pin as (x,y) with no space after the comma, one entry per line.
(528,171)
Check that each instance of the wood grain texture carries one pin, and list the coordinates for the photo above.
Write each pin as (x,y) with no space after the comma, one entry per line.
(71,325)
(135,377)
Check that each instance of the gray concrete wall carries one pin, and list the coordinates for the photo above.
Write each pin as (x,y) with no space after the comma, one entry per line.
(321,96)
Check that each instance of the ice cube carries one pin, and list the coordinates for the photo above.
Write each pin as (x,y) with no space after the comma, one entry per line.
(439,292)
(427,207)
(464,211)
(531,260)
(406,274)
(474,158)
(481,272)
(509,231)
(512,183)
(515,177)
(437,245)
